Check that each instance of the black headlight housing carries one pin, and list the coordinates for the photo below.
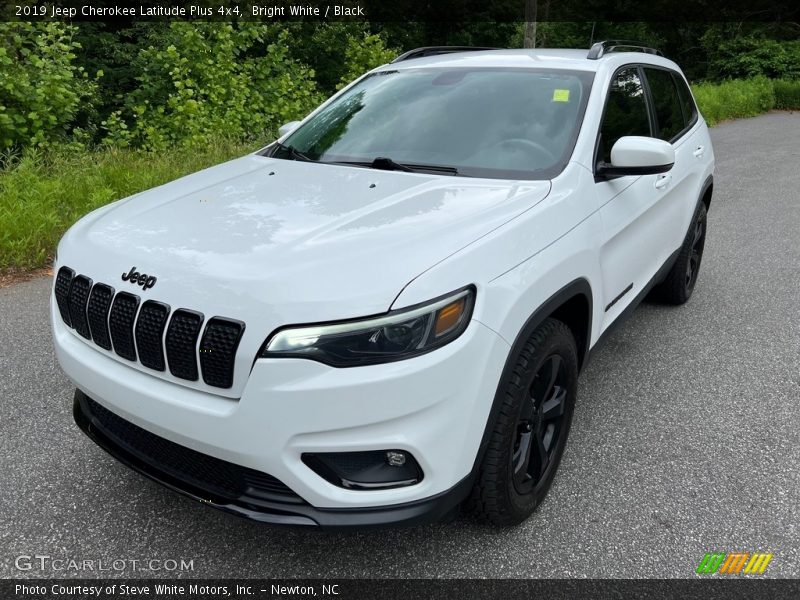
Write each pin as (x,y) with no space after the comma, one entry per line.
(396,335)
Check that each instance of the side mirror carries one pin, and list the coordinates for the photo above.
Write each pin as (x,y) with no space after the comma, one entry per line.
(287,128)
(637,155)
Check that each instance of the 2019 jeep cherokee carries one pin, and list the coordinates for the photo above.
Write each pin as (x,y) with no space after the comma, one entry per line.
(383,315)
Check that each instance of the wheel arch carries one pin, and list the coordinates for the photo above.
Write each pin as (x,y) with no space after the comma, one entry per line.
(707,190)
(572,305)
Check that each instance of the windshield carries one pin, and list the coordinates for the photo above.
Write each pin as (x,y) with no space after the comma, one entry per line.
(479,122)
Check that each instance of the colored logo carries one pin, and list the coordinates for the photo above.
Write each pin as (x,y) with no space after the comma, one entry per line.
(734,563)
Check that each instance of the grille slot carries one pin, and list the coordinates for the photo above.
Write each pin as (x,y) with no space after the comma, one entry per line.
(149,333)
(218,351)
(181,343)
(63,283)
(120,323)
(214,475)
(97,312)
(78,297)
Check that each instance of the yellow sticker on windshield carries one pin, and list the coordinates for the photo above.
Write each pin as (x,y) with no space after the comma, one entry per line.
(560,95)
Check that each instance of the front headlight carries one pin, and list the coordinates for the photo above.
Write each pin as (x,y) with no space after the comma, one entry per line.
(395,336)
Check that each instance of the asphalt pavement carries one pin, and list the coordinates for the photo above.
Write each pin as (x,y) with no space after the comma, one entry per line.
(686,436)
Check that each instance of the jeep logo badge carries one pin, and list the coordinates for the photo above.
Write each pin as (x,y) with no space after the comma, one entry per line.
(142,279)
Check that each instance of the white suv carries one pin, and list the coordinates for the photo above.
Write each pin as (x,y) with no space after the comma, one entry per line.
(382,316)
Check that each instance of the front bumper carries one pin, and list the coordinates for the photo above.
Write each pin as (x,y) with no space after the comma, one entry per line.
(257,508)
(434,406)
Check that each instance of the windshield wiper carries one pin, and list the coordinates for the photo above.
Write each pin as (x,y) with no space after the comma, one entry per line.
(293,152)
(387,164)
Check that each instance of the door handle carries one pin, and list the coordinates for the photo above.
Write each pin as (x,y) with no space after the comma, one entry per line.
(699,151)
(663,181)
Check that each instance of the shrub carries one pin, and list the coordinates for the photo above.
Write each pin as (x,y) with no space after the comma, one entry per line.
(364,53)
(787,94)
(42,92)
(211,79)
(734,99)
(751,56)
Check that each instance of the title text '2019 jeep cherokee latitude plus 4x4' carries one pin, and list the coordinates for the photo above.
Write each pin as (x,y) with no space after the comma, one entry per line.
(382,316)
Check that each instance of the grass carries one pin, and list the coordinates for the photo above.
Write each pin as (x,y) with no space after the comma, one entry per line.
(740,98)
(787,94)
(734,99)
(41,195)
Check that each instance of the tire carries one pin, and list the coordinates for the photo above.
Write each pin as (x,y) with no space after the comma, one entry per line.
(680,282)
(512,479)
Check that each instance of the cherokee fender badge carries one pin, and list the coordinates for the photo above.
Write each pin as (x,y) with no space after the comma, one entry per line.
(142,279)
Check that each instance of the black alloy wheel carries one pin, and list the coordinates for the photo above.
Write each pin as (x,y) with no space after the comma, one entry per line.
(540,422)
(680,281)
(696,254)
(530,424)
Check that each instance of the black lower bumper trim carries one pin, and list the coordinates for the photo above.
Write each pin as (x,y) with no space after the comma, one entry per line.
(436,508)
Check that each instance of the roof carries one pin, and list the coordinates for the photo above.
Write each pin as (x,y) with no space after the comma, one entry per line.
(537,58)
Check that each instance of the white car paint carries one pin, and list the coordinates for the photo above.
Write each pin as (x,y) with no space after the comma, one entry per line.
(277,242)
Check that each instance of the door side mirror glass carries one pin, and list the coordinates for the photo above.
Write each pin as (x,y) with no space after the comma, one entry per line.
(638,155)
(287,128)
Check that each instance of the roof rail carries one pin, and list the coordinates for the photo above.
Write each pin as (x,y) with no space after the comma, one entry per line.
(434,50)
(600,49)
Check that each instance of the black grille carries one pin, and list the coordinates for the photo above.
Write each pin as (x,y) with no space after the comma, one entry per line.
(120,322)
(149,333)
(63,282)
(99,305)
(115,322)
(78,297)
(218,351)
(214,475)
(181,342)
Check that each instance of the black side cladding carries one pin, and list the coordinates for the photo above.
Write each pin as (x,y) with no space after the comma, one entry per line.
(218,351)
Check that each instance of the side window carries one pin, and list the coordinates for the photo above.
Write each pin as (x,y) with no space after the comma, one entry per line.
(625,113)
(689,109)
(666,103)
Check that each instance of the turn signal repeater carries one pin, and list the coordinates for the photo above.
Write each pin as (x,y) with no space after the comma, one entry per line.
(397,335)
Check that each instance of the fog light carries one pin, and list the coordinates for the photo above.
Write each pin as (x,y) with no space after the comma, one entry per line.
(395,459)
(367,470)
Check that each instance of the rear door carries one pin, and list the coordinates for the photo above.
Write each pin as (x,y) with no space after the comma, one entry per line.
(675,121)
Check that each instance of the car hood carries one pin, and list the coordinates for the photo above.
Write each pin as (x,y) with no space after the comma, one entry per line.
(332,241)
(273,242)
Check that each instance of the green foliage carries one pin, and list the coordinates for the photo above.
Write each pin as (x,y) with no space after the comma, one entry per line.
(110,48)
(363,53)
(787,94)
(734,99)
(43,193)
(42,91)
(751,56)
(207,79)
(330,48)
